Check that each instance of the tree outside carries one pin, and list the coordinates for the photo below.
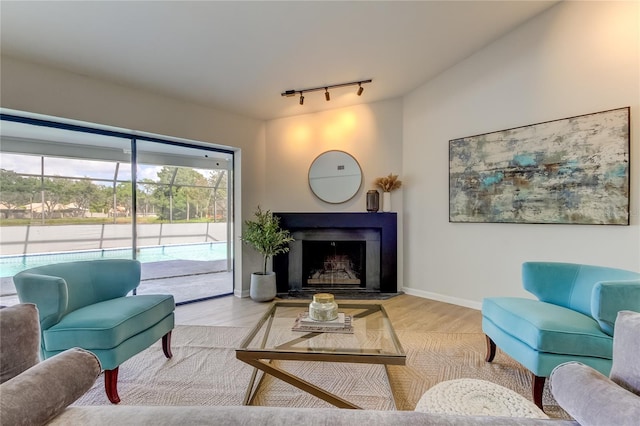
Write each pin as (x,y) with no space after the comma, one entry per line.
(178,194)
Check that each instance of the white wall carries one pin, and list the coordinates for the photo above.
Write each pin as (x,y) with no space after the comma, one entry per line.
(371,133)
(44,90)
(576,58)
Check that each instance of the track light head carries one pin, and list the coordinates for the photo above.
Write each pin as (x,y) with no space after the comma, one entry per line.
(327,96)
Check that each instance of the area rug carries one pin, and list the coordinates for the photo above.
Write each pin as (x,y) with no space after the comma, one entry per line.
(205,371)
(202,371)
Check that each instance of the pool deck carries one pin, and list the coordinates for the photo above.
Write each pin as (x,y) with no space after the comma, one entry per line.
(186,279)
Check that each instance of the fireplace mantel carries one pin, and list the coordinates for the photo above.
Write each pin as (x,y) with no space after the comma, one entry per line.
(384,223)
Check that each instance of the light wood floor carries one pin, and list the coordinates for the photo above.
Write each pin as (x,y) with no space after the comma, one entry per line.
(406,313)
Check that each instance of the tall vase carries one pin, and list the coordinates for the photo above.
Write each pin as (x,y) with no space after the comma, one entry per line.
(386,201)
(373,201)
(263,287)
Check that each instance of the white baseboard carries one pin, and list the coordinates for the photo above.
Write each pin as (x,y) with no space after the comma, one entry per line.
(244,293)
(413,292)
(443,298)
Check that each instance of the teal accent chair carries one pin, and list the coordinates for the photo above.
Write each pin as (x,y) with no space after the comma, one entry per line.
(85,304)
(572,320)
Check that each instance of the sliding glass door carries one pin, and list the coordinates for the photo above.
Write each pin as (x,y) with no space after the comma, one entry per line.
(183,230)
(71,192)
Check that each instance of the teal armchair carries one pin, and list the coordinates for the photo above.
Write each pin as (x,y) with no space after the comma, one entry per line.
(85,304)
(572,319)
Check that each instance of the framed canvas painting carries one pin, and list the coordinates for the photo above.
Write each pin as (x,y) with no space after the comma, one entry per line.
(569,171)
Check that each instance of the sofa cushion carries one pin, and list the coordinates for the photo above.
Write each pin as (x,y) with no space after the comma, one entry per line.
(592,398)
(19,339)
(548,328)
(46,389)
(268,416)
(107,324)
(625,370)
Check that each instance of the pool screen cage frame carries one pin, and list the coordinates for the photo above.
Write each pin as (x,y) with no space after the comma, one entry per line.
(54,148)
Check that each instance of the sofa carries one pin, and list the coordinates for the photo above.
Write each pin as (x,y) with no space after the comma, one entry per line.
(595,399)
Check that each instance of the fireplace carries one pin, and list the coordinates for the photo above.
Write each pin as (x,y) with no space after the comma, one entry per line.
(333,264)
(341,253)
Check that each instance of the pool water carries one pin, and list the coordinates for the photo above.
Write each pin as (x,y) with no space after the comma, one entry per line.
(11,265)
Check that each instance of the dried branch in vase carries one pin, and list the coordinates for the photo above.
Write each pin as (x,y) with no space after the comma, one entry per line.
(388,183)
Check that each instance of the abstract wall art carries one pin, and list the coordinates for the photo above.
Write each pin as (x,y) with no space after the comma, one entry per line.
(569,171)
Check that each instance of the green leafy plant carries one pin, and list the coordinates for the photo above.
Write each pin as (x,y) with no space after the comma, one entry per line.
(266,236)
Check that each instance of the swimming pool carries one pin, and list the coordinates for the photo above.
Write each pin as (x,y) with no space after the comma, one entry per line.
(11,265)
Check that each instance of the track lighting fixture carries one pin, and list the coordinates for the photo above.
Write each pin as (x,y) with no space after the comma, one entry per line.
(327,96)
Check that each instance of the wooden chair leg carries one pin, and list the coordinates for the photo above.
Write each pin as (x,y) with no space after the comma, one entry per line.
(111,376)
(491,349)
(111,385)
(166,345)
(537,388)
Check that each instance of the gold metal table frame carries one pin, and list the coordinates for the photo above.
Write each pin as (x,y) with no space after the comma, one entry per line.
(373,342)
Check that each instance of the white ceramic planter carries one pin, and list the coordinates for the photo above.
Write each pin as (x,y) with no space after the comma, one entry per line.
(263,287)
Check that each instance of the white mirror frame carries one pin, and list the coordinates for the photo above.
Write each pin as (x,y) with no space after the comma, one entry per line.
(335,177)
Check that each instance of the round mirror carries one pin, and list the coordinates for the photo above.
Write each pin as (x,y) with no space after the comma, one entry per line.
(335,177)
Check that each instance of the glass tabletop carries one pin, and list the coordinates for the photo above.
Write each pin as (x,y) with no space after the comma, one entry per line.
(372,338)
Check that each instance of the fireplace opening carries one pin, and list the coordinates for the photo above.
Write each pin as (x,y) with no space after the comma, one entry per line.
(333,264)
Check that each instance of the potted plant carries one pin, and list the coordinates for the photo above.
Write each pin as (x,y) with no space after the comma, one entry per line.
(265,235)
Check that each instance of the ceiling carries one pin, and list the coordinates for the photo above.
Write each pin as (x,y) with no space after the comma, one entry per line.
(238,56)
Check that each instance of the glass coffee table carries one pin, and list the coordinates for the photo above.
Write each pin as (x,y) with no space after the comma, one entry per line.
(372,341)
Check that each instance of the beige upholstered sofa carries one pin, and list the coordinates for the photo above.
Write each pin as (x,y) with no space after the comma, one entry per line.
(595,399)
(34,393)
(263,416)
